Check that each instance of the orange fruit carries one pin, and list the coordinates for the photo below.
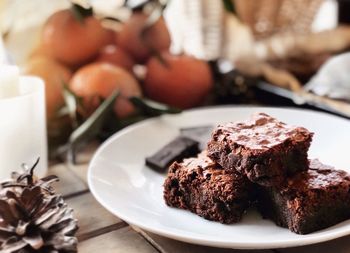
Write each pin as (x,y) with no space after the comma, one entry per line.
(54,75)
(73,42)
(130,37)
(100,80)
(117,56)
(183,81)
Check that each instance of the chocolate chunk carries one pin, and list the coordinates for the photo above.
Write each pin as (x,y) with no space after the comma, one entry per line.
(200,134)
(178,149)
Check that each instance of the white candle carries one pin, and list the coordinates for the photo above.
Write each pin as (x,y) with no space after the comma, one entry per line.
(23,127)
(9,81)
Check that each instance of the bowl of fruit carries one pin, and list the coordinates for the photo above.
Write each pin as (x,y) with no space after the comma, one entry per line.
(102,73)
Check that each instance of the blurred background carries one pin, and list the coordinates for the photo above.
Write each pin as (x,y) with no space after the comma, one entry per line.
(107,64)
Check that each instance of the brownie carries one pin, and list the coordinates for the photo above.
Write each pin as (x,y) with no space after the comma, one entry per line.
(262,148)
(203,187)
(308,201)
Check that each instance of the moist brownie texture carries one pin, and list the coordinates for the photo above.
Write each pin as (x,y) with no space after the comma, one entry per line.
(262,148)
(308,201)
(203,187)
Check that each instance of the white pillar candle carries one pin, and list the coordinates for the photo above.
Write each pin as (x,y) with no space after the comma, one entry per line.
(23,127)
(9,81)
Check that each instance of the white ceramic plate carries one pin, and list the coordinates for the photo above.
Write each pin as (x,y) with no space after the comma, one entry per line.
(122,183)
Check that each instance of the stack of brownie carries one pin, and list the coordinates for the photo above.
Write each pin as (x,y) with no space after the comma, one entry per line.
(261,162)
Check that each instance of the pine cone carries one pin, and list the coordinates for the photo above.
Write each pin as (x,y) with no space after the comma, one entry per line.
(33,218)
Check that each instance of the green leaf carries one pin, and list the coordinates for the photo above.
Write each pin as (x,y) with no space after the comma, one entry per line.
(80,13)
(71,101)
(93,125)
(151,108)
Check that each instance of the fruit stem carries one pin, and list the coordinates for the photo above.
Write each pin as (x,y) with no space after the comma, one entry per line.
(80,13)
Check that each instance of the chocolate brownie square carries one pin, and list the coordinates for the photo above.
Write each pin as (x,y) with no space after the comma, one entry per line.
(203,187)
(262,148)
(308,201)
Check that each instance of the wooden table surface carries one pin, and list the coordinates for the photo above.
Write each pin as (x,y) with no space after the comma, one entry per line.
(100,230)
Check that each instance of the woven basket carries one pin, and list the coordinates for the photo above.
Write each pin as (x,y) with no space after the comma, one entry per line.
(268,17)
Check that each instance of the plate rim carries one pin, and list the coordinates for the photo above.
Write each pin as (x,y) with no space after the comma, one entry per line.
(302,241)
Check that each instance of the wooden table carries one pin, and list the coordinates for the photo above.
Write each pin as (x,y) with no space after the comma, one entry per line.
(100,230)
